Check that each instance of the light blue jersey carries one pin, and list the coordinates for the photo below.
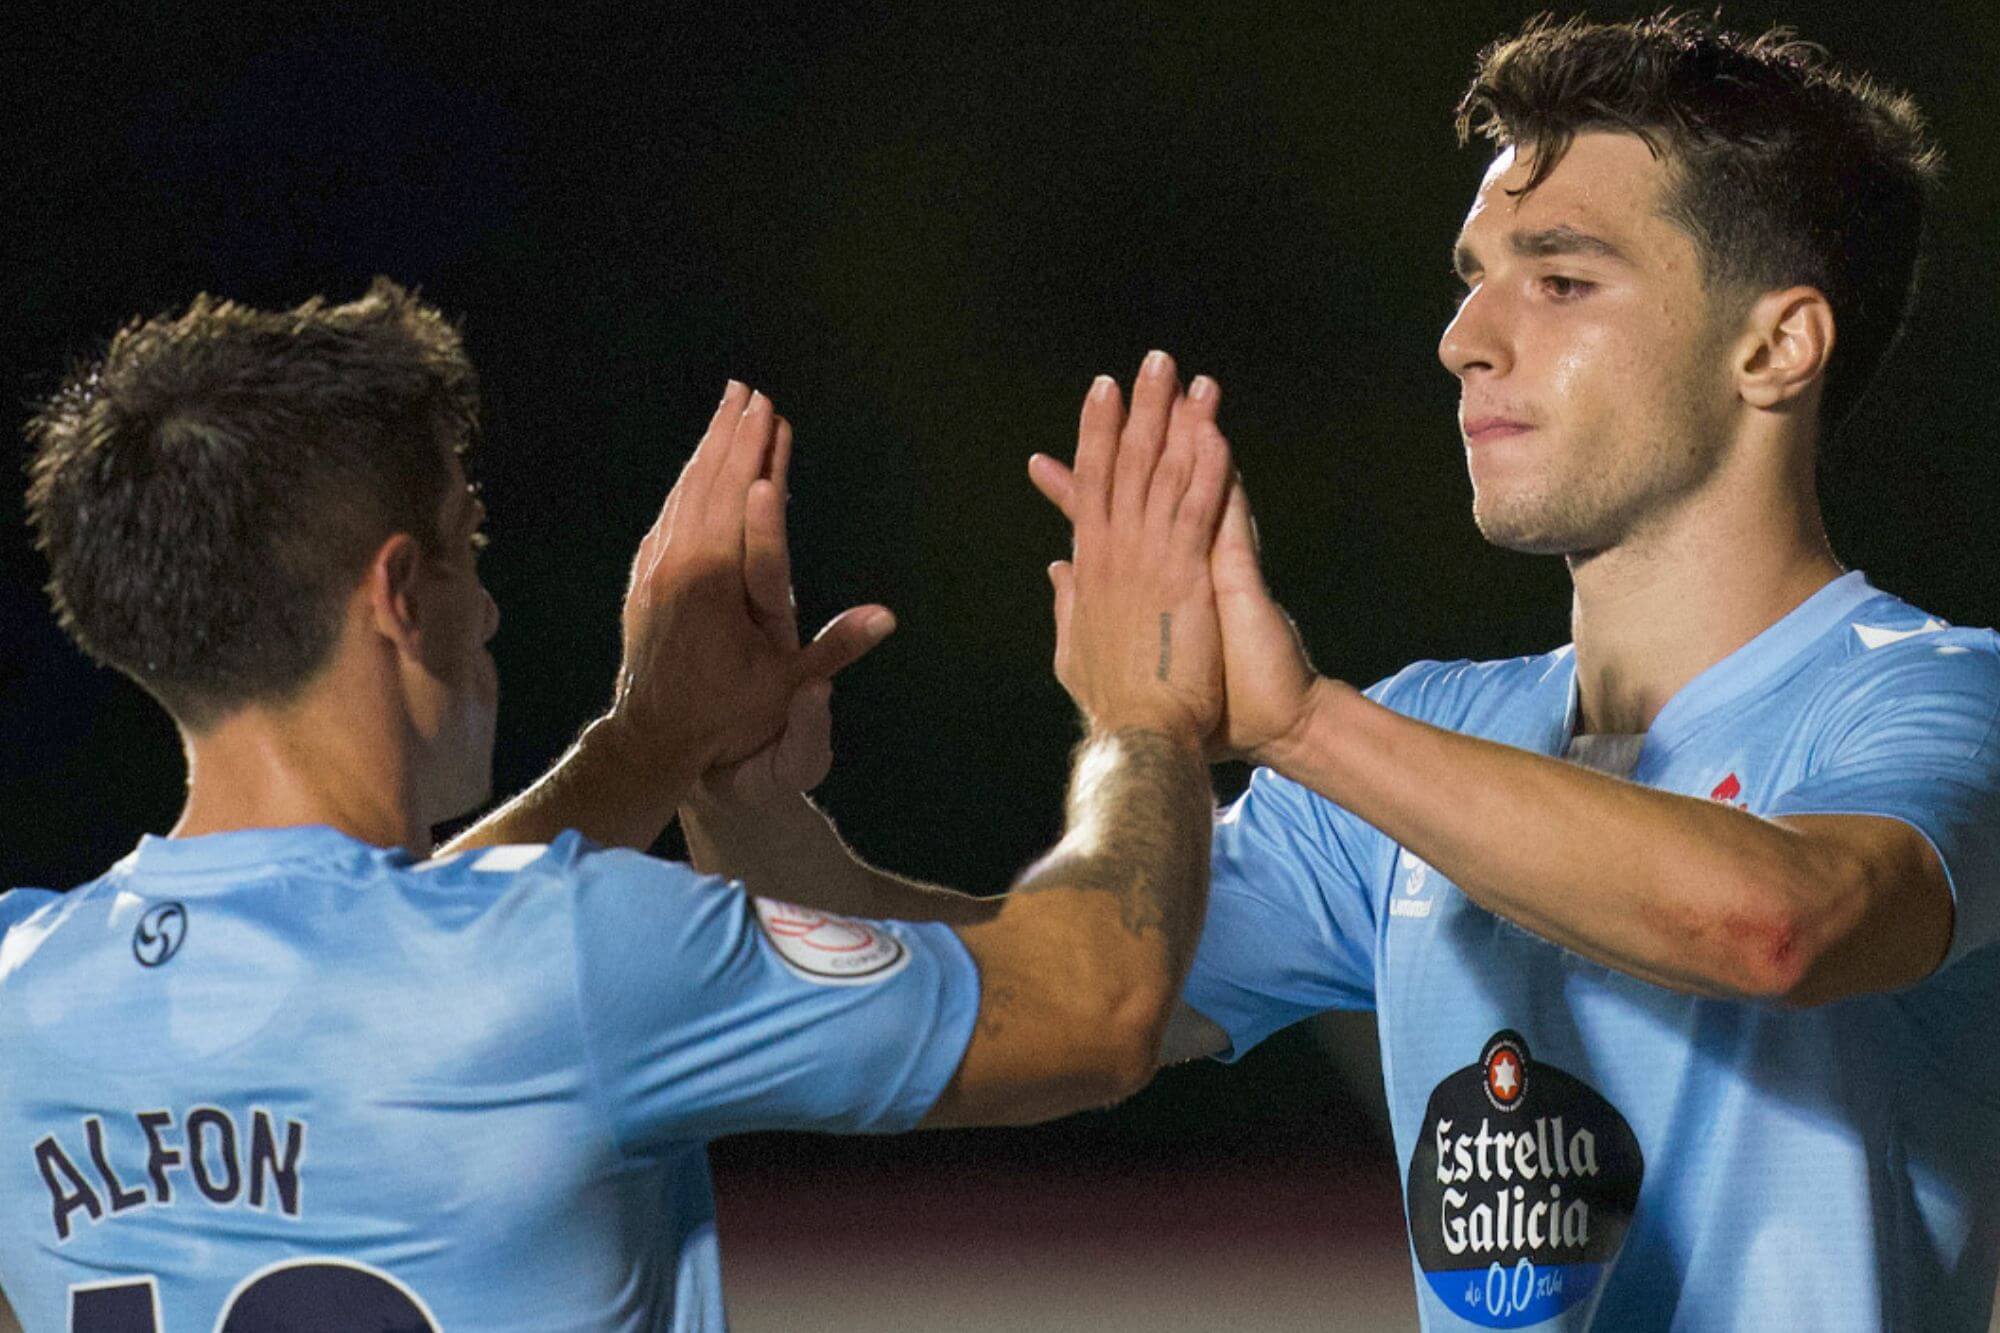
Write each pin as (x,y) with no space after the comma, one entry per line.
(282,1079)
(1585,1150)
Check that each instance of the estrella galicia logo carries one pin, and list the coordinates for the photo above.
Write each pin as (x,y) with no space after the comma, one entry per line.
(1521,1189)
(160,933)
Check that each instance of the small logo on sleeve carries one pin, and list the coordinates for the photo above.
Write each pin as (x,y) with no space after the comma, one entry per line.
(830,950)
(1728,790)
(1521,1188)
(160,933)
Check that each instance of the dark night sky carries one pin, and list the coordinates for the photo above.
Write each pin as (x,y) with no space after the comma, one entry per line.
(921,233)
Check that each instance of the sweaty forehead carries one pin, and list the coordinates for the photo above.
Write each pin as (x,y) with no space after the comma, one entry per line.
(1608,184)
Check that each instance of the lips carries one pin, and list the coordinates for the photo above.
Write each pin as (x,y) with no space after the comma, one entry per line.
(1485,430)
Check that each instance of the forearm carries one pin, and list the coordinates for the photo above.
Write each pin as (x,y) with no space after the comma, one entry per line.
(1687,893)
(789,850)
(1081,965)
(606,787)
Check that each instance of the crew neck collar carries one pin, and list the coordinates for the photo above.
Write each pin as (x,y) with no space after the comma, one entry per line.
(1763,656)
(240,848)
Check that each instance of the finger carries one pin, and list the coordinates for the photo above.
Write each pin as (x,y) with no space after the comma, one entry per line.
(805,752)
(1145,434)
(699,473)
(736,469)
(767,564)
(1185,433)
(1056,483)
(1062,575)
(1097,448)
(1233,562)
(779,467)
(1201,506)
(845,640)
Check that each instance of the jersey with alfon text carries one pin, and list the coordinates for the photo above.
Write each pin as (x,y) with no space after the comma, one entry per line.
(1584,1150)
(283,1079)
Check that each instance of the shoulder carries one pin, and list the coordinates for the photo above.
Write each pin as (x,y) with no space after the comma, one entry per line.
(1892,651)
(17,905)
(570,883)
(571,861)
(1456,694)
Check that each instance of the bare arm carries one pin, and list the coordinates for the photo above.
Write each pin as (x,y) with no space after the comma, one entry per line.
(8,1324)
(1080,964)
(787,848)
(1687,893)
(1681,892)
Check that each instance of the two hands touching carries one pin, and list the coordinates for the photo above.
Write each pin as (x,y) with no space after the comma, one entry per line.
(1163,620)
(713,672)
(1241,671)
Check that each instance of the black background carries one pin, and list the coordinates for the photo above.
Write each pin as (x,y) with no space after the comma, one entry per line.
(921,229)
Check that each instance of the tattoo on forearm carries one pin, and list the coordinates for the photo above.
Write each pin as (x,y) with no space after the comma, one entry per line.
(1166,642)
(1140,811)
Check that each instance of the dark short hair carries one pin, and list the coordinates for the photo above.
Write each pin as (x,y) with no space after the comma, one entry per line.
(210,491)
(1786,170)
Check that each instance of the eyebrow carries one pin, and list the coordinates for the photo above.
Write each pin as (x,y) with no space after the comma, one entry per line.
(1546,243)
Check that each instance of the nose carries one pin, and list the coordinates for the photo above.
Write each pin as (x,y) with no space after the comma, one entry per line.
(1476,338)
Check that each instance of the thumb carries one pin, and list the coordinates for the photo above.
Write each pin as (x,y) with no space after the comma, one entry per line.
(847,638)
(805,752)
(1233,559)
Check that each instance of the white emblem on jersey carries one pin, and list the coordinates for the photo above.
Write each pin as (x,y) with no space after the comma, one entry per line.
(830,950)
(1874,636)
(1416,878)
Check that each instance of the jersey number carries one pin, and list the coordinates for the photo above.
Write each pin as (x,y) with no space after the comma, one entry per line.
(300,1296)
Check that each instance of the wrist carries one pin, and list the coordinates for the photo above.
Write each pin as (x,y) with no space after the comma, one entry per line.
(1313,728)
(1179,730)
(615,744)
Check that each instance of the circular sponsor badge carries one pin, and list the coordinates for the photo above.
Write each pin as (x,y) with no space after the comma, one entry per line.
(830,950)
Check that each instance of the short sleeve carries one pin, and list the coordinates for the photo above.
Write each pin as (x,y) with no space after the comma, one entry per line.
(706,1012)
(1915,739)
(17,905)
(1291,921)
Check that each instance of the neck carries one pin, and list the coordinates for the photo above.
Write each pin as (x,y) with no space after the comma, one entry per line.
(1654,612)
(319,760)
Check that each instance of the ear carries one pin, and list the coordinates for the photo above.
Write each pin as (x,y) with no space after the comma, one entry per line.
(394,592)
(1786,342)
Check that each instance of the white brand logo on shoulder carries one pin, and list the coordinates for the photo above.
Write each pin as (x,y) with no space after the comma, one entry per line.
(1877,636)
(1412,900)
(503,860)
(830,950)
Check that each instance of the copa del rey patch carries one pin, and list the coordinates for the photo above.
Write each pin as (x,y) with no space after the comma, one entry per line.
(830,950)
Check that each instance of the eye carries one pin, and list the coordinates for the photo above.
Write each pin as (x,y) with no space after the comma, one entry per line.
(1562,288)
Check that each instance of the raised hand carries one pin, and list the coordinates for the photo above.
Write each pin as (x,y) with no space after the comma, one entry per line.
(1137,641)
(1268,678)
(712,666)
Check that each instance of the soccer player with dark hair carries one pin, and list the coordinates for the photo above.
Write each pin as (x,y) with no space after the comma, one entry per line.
(279,1070)
(1682,936)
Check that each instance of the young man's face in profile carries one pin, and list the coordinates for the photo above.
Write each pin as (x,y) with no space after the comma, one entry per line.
(458,698)
(1595,387)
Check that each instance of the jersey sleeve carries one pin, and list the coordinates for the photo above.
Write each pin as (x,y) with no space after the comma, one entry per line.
(707,1012)
(17,905)
(1291,922)
(1915,739)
